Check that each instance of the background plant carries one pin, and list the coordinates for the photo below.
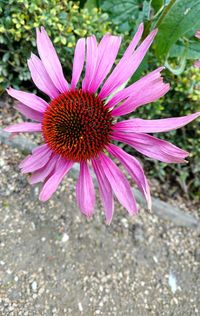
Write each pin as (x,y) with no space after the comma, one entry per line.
(64,21)
(177,48)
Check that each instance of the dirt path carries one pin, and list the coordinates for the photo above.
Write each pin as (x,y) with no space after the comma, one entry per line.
(54,262)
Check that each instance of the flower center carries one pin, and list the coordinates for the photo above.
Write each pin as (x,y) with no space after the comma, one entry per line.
(77,125)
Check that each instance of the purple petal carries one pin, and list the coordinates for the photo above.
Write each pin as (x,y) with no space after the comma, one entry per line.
(24,127)
(41,174)
(91,60)
(107,52)
(152,147)
(79,57)
(39,158)
(136,87)
(85,193)
(50,60)
(154,126)
(125,69)
(31,100)
(134,168)
(39,149)
(41,78)
(137,37)
(51,185)
(119,184)
(197,64)
(29,113)
(198,34)
(105,190)
(151,94)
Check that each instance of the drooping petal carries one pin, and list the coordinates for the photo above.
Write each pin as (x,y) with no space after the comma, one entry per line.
(138,125)
(152,147)
(24,128)
(39,158)
(136,87)
(134,168)
(51,185)
(41,78)
(41,174)
(85,192)
(50,60)
(119,184)
(125,69)
(107,52)
(91,60)
(197,64)
(151,94)
(198,34)
(79,57)
(105,190)
(29,113)
(29,99)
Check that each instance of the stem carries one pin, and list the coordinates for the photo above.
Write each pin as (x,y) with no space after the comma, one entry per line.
(165,11)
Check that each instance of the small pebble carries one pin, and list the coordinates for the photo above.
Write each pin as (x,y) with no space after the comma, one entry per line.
(65,237)
(80,307)
(34,286)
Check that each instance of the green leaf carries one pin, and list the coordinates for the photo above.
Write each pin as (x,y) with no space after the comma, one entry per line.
(2,40)
(123,13)
(82,3)
(178,70)
(178,18)
(63,16)
(157,4)
(193,51)
(146,10)
(6,56)
(90,4)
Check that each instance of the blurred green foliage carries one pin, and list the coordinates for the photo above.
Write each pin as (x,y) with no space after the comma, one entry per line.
(175,47)
(182,99)
(64,22)
(176,21)
(124,14)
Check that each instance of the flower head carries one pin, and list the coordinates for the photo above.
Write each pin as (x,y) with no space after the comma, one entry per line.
(198,34)
(79,123)
(197,63)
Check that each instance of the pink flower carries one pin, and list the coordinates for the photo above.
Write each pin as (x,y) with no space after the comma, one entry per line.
(198,34)
(80,124)
(197,63)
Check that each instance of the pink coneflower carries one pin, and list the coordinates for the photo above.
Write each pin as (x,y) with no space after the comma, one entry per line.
(198,34)
(79,124)
(197,63)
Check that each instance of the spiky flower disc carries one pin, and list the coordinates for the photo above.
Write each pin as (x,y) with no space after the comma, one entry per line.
(77,125)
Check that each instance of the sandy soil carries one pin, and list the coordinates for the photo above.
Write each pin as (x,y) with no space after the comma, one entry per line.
(55,262)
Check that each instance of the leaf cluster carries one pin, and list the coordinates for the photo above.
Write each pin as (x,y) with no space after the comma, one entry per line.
(64,21)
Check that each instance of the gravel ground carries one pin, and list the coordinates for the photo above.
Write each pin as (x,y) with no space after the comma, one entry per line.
(55,262)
